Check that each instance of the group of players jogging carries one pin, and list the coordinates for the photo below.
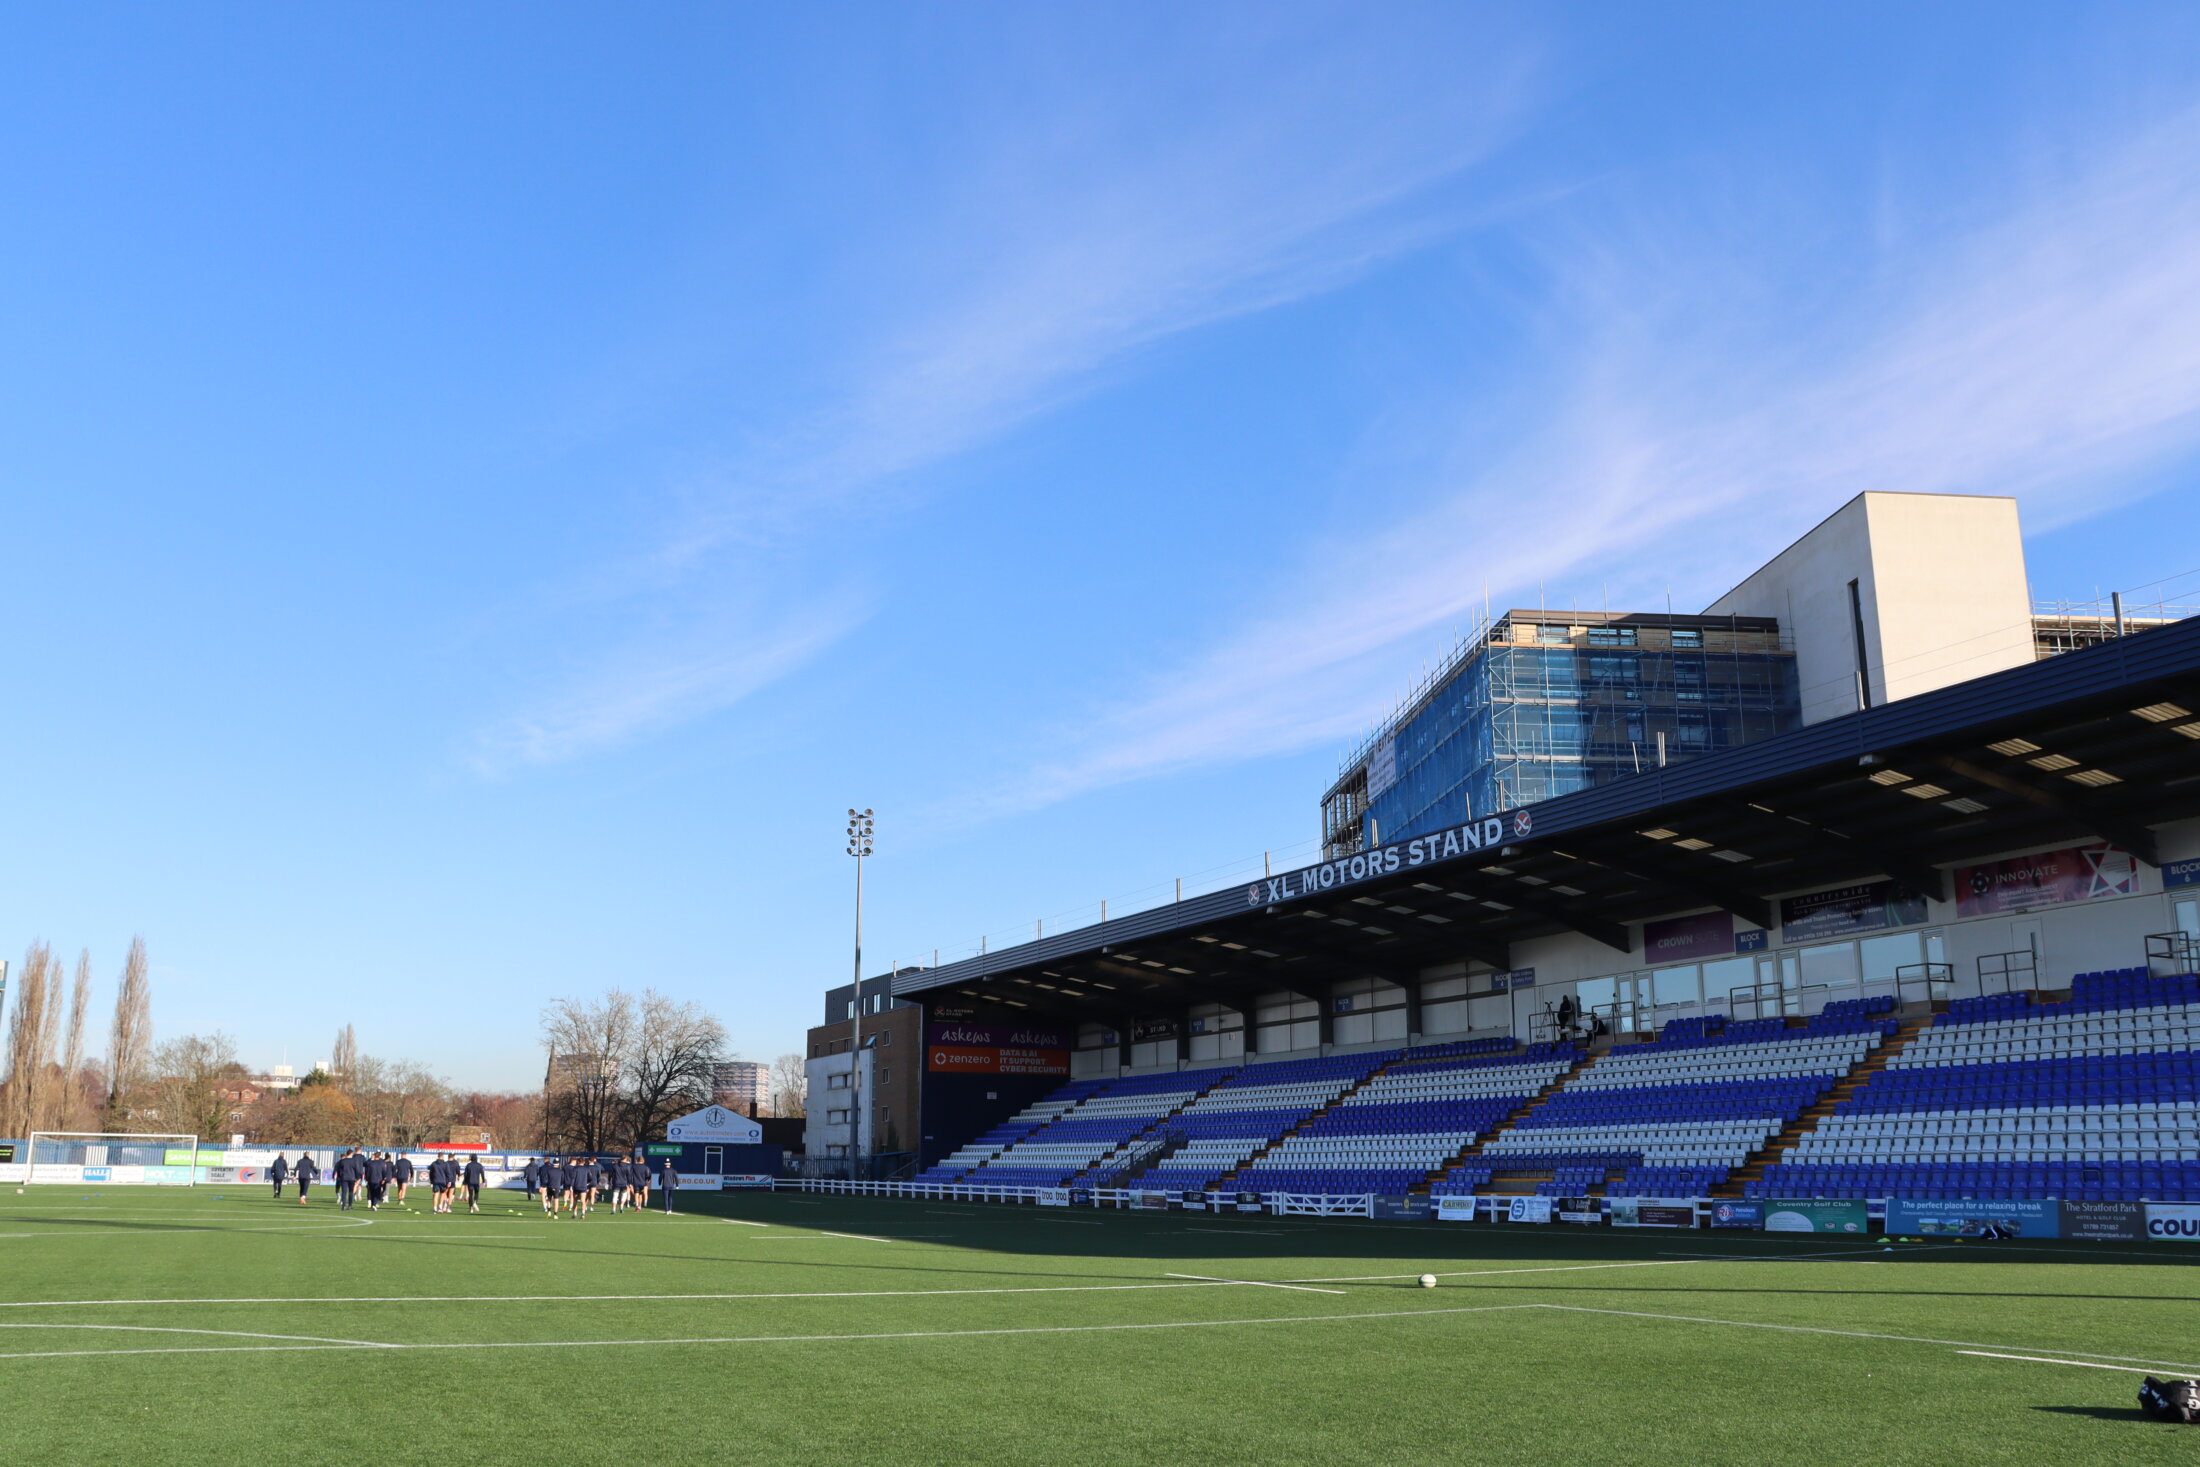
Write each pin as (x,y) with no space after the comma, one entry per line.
(569,1187)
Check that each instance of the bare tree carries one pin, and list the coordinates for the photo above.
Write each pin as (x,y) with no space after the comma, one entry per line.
(30,1049)
(676,1044)
(131,1036)
(790,1086)
(344,1058)
(590,1045)
(191,1085)
(70,1111)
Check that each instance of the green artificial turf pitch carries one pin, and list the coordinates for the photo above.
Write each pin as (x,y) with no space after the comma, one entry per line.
(211,1325)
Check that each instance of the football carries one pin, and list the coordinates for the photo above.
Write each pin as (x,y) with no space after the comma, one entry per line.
(1428,1281)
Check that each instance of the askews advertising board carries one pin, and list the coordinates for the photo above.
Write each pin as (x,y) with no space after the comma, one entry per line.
(1810,1215)
(1455,1209)
(1974,1217)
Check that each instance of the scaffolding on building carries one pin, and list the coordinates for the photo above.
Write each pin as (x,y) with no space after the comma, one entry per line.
(1544,703)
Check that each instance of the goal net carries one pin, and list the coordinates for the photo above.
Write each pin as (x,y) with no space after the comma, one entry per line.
(111,1158)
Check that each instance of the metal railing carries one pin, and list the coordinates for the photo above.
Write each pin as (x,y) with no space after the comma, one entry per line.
(1929,982)
(1167,1144)
(1294,1204)
(2179,952)
(2015,972)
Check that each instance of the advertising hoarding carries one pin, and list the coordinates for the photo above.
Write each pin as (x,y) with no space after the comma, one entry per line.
(2108,1222)
(1456,1209)
(1653,1212)
(2173,1222)
(2050,878)
(1867,906)
(1974,1217)
(1812,1215)
(1684,939)
(1528,1210)
(1736,1215)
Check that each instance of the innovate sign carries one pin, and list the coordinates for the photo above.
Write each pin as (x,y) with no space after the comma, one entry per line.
(995,1049)
(2073,874)
(1405,855)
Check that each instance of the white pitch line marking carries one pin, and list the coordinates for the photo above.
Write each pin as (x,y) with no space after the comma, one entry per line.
(241,1334)
(1812,1329)
(1256,1283)
(605,1298)
(926,1334)
(2046,1360)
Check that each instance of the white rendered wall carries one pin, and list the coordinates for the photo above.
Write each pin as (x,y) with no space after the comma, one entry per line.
(1943,589)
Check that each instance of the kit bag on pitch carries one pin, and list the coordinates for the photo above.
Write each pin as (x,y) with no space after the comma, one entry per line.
(2171,1400)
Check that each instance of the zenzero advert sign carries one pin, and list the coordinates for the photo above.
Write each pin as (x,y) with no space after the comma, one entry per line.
(995,1049)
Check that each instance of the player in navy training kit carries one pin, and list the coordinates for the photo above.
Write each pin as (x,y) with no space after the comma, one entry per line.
(378,1179)
(527,1175)
(278,1174)
(307,1170)
(402,1169)
(475,1175)
(550,1177)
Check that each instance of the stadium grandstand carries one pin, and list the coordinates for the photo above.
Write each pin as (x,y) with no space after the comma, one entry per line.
(1934,936)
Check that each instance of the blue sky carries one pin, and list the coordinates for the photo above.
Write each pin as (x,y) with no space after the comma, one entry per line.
(481,494)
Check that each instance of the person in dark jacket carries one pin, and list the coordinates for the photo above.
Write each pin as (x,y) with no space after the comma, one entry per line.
(308,1170)
(527,1175)
(401,1170)
(279,1173)
(347,1179)
(378,1179)
(551,1178)
(476,1177)
(671,1182)
(439,1182)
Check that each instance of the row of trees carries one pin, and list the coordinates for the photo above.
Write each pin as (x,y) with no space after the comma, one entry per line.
(52,1085)
(621,1066)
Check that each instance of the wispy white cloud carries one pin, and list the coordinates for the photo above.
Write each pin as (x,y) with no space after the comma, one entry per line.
(665,681)
(1693,423)
(1087,228)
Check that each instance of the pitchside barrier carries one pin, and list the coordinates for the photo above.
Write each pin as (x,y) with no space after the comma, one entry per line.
(1846,1217)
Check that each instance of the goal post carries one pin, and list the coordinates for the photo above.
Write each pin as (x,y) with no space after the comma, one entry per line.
(112,1158)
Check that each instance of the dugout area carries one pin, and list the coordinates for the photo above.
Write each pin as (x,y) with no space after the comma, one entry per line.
(155,1326)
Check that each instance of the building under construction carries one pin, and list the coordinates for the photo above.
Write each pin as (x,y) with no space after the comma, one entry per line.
(1543,703)
(1891,596)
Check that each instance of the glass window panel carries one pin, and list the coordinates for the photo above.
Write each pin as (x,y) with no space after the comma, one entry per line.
(1721,978)
(1882,955)
(1675,985)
